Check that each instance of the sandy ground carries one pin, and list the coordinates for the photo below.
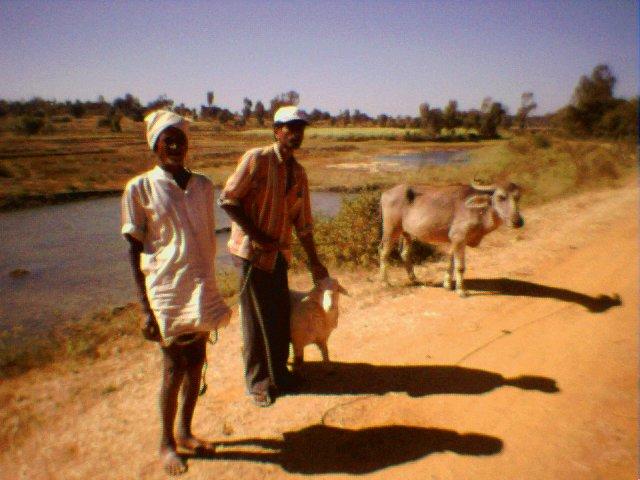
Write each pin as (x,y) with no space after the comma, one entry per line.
(534,376)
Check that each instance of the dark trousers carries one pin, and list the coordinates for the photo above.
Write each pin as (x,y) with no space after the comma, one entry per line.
(265,310)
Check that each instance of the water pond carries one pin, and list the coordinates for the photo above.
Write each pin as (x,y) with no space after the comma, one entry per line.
(64,260)
(426,157)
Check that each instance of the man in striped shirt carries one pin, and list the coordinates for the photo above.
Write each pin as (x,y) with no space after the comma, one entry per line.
(267,197)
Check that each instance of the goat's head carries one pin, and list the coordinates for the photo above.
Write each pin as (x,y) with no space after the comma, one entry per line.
(327,292)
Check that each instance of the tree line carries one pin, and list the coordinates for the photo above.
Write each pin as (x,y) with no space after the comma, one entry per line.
(593,111)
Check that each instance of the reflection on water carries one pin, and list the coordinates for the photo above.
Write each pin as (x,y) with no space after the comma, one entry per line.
(427,157)
(76,259)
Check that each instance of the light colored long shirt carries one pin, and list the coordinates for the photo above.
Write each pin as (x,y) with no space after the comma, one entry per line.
(177,230)
(259,185)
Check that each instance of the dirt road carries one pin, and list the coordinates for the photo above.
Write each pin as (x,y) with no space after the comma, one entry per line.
(534,376)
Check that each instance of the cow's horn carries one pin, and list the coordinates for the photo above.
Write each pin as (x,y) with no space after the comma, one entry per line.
(477,201)
(483,188)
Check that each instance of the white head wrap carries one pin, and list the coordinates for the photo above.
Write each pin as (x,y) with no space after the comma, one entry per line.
(160,120)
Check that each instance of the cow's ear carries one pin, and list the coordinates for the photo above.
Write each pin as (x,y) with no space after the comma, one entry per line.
(477,201)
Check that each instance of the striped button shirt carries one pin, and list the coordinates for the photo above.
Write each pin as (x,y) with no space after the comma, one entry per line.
(259,185)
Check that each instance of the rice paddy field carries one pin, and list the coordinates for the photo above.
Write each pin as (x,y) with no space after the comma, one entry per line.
(77,158)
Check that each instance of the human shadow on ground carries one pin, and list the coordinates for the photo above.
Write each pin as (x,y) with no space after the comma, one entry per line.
(508,286)
(322,449)
(339,378)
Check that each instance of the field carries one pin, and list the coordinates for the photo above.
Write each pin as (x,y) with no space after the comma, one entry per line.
(78,158)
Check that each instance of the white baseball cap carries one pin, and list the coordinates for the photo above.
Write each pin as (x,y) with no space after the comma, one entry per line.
(288,114)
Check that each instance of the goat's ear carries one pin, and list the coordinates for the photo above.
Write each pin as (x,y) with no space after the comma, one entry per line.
(315,295)
(342,290)
(477,201)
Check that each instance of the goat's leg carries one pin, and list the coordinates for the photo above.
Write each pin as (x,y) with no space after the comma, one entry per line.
(407,257)
(298,358)
(458,262)
(324,350)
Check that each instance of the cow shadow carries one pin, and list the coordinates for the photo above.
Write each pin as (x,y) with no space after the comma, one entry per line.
(338,378)
(522,288)
(322,449)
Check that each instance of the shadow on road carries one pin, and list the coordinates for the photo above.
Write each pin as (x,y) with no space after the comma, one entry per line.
(362,378)
(508,286)
(319,449)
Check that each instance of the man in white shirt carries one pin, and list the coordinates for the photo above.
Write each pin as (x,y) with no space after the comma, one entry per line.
(168,219)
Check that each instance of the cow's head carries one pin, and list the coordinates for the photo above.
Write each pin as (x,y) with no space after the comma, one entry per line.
(504,199)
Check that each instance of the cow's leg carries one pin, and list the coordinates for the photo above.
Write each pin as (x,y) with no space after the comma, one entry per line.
(446,283)
(407,257)
(387,244)
(458,263)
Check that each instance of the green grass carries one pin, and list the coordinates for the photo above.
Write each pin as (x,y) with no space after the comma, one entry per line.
(546,168)
(341,133)
(362,133)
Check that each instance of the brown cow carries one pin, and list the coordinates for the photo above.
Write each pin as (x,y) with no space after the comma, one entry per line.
(460,215)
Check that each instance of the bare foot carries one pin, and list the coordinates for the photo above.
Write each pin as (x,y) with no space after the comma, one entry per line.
(172,463)
(194,444)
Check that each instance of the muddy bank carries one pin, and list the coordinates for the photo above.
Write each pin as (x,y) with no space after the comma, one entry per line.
(16,202)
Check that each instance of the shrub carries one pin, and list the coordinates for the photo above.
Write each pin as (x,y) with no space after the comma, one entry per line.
(541,141)
(519,145)
(77,109)
(111,121)
(30,125)
(473,137)
(352,237)
(63,119)
(6,171)
(413,136)
(104,122)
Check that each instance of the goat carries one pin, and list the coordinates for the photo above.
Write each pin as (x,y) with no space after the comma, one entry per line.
(314,315)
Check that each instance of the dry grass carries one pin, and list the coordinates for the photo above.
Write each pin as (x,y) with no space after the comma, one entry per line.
(87,338)
(77,156)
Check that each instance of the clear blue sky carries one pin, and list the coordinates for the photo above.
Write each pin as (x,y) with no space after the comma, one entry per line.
(377,56)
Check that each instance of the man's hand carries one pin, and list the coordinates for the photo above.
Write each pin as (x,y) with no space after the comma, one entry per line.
(149,327)
(148,324)
(264,242)
(318,272)
(259,240)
